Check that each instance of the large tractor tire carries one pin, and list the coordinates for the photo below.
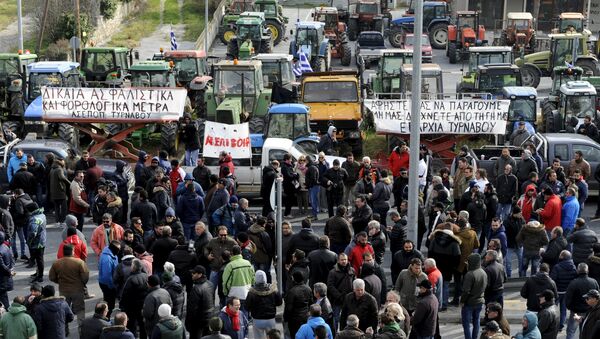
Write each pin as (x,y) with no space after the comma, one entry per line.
(530,76)
(395,37)
(453,54)
(15,127)
(226,34)
(549,123)
(199,105)
(17,105)
(169,137)
(346,54)
(547,108)
(232,49)
(266,46)
(277,31)
(256,125)
(438,36)
(318,64)
(589,65)
(69,134)
(352,29)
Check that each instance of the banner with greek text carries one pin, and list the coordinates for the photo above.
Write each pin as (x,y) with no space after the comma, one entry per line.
(449,116)
(125,105)
(233,139)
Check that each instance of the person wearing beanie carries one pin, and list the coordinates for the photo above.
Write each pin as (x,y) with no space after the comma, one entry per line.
(168,325)
(425,317)
(52,315)
(154,299)
(549,315)
(225,215)
(172,221)
(71,274)
(200,304)
(298,298)
(261,302)
(71,221)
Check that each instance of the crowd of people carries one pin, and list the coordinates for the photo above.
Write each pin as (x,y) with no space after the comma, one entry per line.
(183,254)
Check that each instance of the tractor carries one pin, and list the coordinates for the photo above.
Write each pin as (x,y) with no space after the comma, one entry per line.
(277,68)
(13,79)
(366,16)
(565,49)
(577,99)
(191,72)
(335,31)
(106,66)
(44,74)
(466,32)
(523,107)
(491,78)
(386,82)
(232,14)
(251,37)
(310,40)
(274,18)
(571,22)
(334,99)
(436,18)
(519,33)
(560,75)
(480,56)
(237,95)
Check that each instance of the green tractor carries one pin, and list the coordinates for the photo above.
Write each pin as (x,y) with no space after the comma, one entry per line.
(13,78)
(491,78)
(237,95)
(480,56)
(275,20)
(560,76)
(565,49)
(386,82)
(577,99)
(251,37)
(232,14)
(105,66)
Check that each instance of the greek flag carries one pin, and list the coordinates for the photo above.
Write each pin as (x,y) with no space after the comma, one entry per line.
(303,66)
(173,41)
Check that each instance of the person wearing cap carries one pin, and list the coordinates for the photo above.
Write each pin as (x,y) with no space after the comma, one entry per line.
(154,299)
(52,315)
(425,316)
(525,166)
(168,326)
(32,300)
(261,302)
(582,239)
(219,198)
(532,237)
(172,221)
(548,316)
(575,299)
(328,142)
(590,323)
(399,158)
(495,313)
(200,304)
(551,214)
(518,136)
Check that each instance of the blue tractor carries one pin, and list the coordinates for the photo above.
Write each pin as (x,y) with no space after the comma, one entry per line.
(436,18)
(310,40)
(44,74)
(523,107)
(291,121)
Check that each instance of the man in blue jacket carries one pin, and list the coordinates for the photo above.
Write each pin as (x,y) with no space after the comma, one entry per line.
(107,265)
(306,331)
(570,212)
(14,163)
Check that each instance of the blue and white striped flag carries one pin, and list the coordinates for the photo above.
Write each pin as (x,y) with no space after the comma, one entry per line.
(173,41)
(304,64)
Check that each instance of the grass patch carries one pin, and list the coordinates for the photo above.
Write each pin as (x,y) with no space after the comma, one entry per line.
(374,145)
(8,12)
(193,18)
(145,21)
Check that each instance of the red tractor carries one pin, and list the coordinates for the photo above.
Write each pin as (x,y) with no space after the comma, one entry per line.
(335,31)
(365,15)
(467,32)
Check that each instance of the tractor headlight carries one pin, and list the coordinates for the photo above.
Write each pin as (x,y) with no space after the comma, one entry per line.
(354,135)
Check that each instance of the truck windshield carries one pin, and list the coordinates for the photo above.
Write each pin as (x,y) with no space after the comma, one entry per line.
(290,126)
(230,81)
(466,21)
(330,91)
(520,25)
(391,65)
(8,66)
(38,80)
(410,40)
(477,59)
(98,62)
(248,31)
(272,71)
(367,8)
(493,83)
(149,79)
(521,109)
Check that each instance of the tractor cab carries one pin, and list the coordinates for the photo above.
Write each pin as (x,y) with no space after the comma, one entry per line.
(387,79)
(13,77)
(488,55)
(231,15)
(187,65)
(51,74)
(491,78)
(328,16)
(288,121)
(309,39)
(342,8)
(251,36)
(562,75)
(431,79)
(275,20)
(577,100)
(152,74)
(367,8)
(564,46)
(105,66)
(523,107)
(277,68)
(519,32)
(571,22)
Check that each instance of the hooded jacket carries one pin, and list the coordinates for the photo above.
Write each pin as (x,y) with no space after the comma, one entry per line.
(168,327)
(552,213)
(16,323)
(535,285)
(474,282)
(526,203)
(50,317)
(327,142)
(306,331)
(532,237)
(398,160)
(36,238)
(262,301)
(531,331)
(107,263)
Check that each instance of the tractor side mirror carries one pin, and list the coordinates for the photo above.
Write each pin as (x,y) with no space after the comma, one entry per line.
(291,32)
(312,15)
(136,55)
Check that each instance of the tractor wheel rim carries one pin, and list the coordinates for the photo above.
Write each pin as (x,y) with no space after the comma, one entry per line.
(441,37)
(397,38)
(274,32)
(526,77)
(228,35)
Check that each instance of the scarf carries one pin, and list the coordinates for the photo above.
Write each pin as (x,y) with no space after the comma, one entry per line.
(302,168)
(235,318)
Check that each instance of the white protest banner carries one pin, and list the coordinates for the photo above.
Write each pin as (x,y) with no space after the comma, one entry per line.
(448,116)
(233,139)
(124,105)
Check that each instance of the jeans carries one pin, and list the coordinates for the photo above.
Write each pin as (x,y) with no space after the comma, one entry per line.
(313,193)
(334,199)
(189,231)
(337,311)
(563,309)
(508,260)
(13,242)
(348,199)
(262,326)
(470,315)
(572,325)
(445,294)
(191,157)
(503,211)
(302,197)
(214,278)
(4,299)
(80,220)
(535,264)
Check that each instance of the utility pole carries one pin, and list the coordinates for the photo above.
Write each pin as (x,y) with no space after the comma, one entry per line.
(278,229)
(206,47)
(41,35)
(415,123)
(20,24)
(78,29)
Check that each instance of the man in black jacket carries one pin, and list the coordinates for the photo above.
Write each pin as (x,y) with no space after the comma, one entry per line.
(91,327)
(536,284)
(306,240)
(290,179)
(297,300)
(269,175)
(191,139)
(339,283)
(494,291)
(361,215)
(425,316)
(401,259)
(321,261)
(200,304)
(333,181)
(311,180)
(352,168)
(548,316)
(362,304)
(574,298)
(201,174)
(132,298)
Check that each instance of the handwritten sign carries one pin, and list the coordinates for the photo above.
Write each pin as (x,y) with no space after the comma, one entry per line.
(233,139)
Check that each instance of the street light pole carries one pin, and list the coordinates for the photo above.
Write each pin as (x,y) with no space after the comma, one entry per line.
(20,24)
(206,26)
(415,123)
